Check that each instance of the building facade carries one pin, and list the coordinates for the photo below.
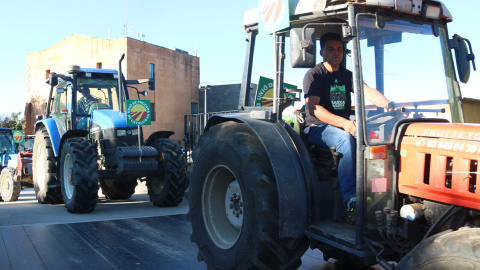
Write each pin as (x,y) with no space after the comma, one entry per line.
(224,97)
(177,76)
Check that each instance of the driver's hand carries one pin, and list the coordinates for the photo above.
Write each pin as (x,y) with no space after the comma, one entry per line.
(391,106)
(350,127)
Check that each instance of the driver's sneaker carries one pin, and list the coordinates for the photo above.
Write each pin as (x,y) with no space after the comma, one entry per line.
(351,203)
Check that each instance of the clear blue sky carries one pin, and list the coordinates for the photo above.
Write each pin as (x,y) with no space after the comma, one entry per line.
(31,26)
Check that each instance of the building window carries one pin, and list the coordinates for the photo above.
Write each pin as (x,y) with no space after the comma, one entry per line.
(152,71)
(152,110)
(99,65)
(47,73)
(194,108)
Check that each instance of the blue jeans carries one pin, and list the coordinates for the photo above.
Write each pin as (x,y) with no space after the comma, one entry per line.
(326,136)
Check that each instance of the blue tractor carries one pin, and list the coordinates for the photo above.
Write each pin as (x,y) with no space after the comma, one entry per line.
(85,143)
(9,187)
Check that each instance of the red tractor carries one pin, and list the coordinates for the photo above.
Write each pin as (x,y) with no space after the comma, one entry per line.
(15,174)
(260,195)
(24,161)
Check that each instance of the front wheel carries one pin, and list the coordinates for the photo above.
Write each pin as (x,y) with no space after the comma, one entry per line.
(444,251)
(234,206)
(44,167)
(167,187)
(116,190)
(79,175)
(10,189)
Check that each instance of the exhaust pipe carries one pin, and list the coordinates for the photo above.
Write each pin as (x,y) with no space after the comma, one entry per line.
(120,84)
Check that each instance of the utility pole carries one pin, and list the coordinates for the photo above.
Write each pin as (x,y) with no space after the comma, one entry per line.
(205,88)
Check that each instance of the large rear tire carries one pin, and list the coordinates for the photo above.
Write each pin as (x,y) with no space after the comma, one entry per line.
(10,189)
(444,251)
(44,167)
(234,206)
(79,175)
(168,186)
(116,190)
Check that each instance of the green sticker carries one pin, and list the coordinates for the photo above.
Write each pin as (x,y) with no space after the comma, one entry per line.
(139,113)
(403,152)
(18,136)
(264,95)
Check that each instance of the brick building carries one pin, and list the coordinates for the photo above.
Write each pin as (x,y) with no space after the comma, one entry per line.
(177,76)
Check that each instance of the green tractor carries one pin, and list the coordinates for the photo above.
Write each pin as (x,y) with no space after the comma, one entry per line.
(85,143)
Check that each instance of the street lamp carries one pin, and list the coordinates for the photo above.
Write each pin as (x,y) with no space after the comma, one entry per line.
(204,88)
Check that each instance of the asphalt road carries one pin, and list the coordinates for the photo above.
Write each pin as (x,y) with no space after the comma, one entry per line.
(27,211)
(26,225)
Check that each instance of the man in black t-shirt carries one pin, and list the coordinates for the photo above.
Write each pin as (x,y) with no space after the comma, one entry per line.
(327,88)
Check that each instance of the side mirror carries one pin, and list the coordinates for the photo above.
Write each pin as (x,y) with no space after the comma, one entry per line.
(52,79)
(300,47)
(151,84)
(463,57)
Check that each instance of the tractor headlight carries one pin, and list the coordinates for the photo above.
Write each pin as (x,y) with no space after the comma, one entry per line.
(135,132)
(121,132)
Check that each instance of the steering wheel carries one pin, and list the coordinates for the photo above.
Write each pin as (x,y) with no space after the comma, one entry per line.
(97,105)
(390,114)
(384,122)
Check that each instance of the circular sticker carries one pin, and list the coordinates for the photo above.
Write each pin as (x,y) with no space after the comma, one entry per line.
(271,10)
(273,15)
(18,136)
(403,152)
(139,112)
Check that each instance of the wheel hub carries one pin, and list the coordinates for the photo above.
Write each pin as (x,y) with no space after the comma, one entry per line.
(68,184)
(6,184)
(41,166)
(234,205)
(222,206)
(157,184)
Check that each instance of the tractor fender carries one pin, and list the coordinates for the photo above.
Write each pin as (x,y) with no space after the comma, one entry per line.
(291,165)
(158,134)
(55,132)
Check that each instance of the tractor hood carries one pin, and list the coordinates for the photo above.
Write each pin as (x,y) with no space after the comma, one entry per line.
(8,160)
(439,162)
(107,119)
(462,132)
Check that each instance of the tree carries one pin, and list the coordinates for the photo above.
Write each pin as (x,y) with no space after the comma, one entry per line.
(13,121)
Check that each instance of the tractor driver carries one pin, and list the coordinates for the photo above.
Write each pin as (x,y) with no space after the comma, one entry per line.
(327,89)
(87,100)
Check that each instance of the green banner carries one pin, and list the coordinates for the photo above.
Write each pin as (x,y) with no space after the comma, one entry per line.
(273,15)
(139,113)
(264,95)
(18,136)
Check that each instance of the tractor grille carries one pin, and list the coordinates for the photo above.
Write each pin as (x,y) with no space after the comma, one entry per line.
(438,168)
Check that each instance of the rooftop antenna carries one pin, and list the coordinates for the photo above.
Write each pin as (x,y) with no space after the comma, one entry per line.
(126,28)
